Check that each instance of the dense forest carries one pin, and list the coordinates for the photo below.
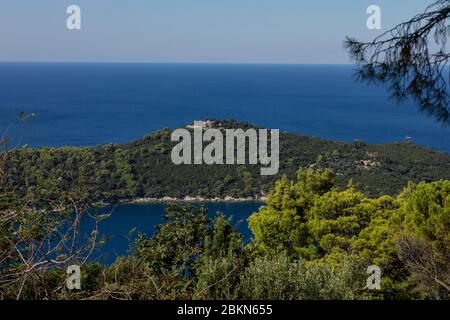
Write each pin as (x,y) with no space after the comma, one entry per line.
(143,168)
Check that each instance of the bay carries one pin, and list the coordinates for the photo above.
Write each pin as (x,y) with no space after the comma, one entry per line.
(145,217)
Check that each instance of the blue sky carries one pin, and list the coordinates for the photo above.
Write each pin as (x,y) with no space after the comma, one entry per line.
(210,31)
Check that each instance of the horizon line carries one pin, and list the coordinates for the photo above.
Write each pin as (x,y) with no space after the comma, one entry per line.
(181,63)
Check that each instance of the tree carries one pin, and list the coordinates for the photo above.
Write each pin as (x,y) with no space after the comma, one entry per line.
(177,243)
(407,236)
(279,277)
(282,223)
(34,242)
(221,260)
(428,266)
(412,59)
(423,243)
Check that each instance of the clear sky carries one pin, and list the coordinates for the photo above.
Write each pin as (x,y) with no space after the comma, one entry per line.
(213,31)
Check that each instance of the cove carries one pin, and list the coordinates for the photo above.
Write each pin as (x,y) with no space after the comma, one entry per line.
(145,217)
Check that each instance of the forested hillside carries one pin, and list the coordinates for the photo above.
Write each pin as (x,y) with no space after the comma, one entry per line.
(144,168)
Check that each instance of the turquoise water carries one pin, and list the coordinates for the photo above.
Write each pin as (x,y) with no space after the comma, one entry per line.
(144,217)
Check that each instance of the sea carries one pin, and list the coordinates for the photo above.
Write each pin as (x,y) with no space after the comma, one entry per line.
(86,104)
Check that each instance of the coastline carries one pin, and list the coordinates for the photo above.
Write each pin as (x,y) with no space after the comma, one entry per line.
(188,199)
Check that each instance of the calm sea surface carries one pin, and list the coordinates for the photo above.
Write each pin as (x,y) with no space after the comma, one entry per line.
(144,218)
(89,104)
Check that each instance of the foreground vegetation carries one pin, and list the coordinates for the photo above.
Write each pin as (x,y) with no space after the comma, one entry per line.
(313,240)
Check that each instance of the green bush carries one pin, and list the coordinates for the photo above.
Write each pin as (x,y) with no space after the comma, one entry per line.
(278,277)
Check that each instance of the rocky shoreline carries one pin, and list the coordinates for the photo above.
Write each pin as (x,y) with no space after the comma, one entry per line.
(189,199)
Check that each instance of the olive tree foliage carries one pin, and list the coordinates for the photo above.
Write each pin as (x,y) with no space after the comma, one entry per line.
(412,59)
(279,277)
(35,241)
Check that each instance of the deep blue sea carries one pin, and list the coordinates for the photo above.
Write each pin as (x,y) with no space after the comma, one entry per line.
(89,104)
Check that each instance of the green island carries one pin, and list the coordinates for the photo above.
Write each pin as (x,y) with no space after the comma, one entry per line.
(334,209)
(143,169)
